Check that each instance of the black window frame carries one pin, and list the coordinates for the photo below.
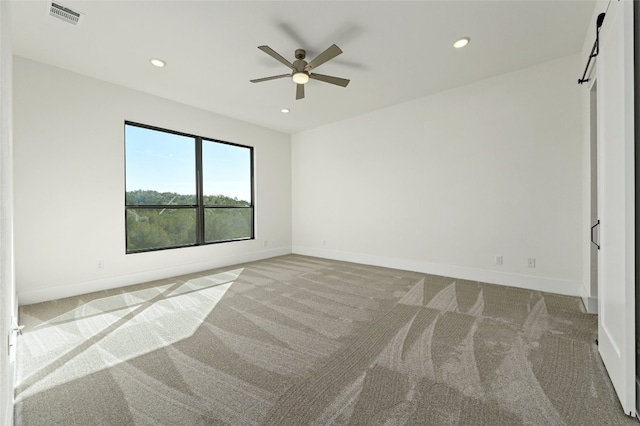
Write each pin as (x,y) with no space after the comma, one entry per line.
(200,207)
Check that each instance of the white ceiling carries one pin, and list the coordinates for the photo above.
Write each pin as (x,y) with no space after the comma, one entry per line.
(394,51)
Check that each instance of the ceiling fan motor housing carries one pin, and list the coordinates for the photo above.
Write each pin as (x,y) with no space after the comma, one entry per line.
(300,64)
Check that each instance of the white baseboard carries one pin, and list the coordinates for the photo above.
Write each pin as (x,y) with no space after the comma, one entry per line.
(84,287)
(530,282)
(551,285)
(590,302)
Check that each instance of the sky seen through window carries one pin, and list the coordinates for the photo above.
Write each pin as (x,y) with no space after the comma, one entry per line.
(164,162)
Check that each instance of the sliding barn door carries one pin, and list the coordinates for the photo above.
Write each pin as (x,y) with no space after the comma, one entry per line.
(616,294)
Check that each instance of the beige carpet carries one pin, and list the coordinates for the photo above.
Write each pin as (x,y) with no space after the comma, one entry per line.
(297,340)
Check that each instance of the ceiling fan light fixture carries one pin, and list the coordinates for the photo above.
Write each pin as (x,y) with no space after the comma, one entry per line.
(462,42)
(300,77)
(157,62)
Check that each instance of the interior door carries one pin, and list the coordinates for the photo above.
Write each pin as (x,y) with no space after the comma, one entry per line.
(7,282)
(616,263)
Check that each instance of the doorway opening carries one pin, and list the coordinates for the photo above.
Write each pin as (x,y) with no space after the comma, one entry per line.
(593,215)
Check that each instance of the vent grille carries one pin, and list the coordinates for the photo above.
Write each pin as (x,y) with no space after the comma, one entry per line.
(64,13)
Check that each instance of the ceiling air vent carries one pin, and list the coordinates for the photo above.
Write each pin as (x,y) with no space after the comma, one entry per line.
(62,12)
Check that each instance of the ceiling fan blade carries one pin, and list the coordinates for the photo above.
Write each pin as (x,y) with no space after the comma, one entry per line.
(258,80)
(330,79)
(331,52)
(269,51)
(299,91)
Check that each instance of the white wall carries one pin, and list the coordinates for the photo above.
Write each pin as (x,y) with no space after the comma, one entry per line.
(445,183)
(7,284)
(69,184)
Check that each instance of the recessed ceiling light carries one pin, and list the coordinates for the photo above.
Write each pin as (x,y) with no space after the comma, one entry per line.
(157,62)
(461,42)
(285,110)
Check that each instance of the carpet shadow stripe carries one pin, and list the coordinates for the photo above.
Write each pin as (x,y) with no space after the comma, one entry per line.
(305,401)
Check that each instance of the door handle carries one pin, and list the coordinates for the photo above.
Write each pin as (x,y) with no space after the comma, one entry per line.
(13,340)
(593,229)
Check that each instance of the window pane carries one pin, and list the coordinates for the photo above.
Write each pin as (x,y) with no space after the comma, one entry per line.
(169,191)
(160,167)
(222,224)
(226,174)
(160,228)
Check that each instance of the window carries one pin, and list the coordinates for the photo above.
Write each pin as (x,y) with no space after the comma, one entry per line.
(185,190)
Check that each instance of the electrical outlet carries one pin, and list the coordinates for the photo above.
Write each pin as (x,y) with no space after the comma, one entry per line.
(499,260)
(531,262)
(99,264)
(324,242)
(266,243)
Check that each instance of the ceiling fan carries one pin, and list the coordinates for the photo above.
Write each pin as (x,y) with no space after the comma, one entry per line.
(301,69)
